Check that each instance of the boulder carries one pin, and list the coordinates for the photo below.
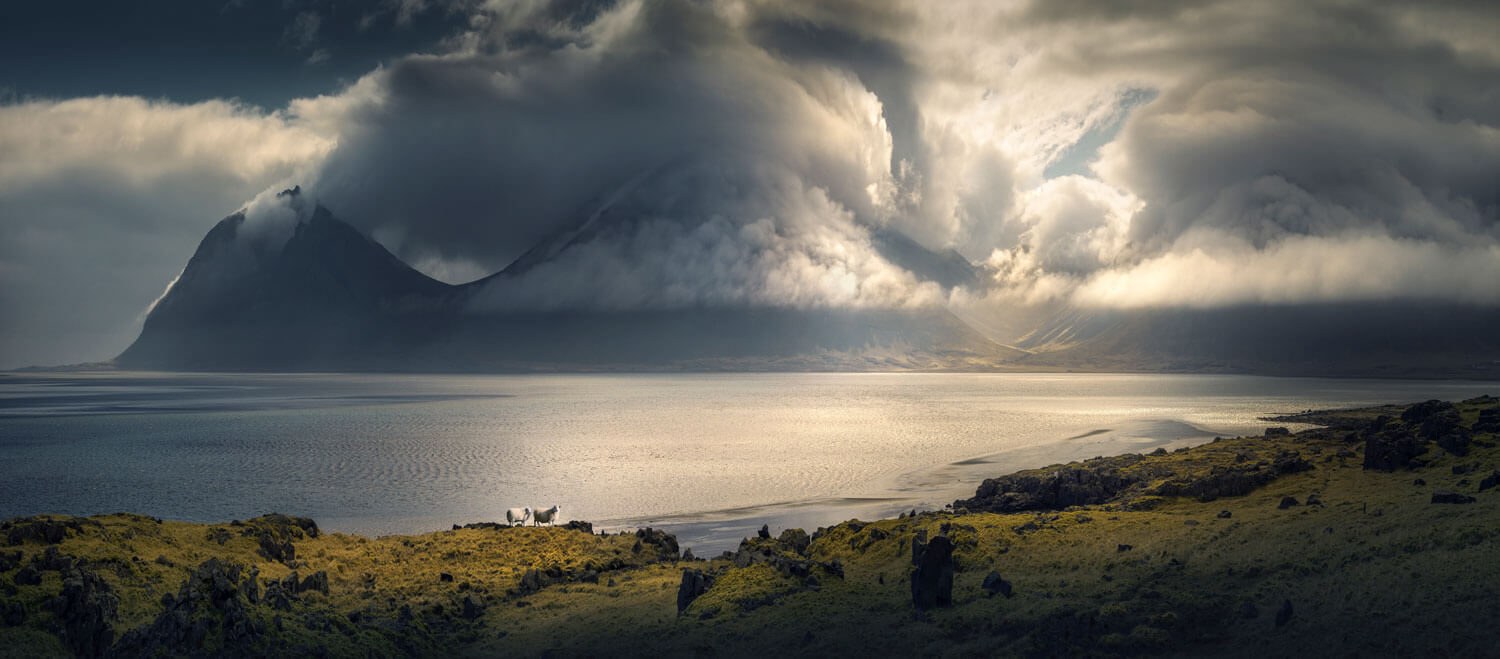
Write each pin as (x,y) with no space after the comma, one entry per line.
(577,525)
(532,581)
(472,610)
(213,603)
(1054,489)
(994,585)
(932,581)
(1390,450)
(39,529)
(1456,442)
(1224,514)
(10,560)
(12,613)
(1284,614)
(83,613)
(665,544)
(795,540)
(1231,481)
(1420,412)
(316,581)
(27,576)
(1447,496)
(1287,502)
(694,583)
(1489,481)
(1489,421)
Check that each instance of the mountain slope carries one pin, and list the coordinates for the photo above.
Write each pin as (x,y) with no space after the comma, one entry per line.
(325,297)
(1366,339)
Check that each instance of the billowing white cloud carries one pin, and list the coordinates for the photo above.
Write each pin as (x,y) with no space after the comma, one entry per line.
(103,199)
(1301,270)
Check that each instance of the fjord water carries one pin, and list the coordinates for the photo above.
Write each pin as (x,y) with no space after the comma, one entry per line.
(708,456)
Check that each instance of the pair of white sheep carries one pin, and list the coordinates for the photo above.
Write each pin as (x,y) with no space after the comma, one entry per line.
(536,516)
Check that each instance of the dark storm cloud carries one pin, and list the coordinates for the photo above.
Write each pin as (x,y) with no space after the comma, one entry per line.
(482,155)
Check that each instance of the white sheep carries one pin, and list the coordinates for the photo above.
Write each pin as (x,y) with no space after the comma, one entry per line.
(547,516)
(517,515)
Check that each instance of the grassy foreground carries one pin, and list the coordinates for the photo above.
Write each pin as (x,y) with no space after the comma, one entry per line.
(1392,547)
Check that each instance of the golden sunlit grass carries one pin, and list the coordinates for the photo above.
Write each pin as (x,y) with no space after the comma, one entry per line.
(1375,568)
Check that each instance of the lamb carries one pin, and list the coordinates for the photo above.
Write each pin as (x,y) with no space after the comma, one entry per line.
(517,515)
(547,516)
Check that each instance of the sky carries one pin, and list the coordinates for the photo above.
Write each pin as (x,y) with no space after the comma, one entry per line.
(1115,155)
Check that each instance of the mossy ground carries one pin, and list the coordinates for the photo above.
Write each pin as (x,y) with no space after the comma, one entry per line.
(1375,569)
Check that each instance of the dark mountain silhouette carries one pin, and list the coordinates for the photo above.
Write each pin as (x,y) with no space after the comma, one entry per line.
(326,297)
(1365,339)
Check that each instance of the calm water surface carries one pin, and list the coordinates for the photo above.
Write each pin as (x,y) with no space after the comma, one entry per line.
(708,456)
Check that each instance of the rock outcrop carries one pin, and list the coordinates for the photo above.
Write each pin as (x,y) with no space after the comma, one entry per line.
(932,578)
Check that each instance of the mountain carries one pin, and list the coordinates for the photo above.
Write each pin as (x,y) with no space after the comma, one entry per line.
(1350,339)
(326,297)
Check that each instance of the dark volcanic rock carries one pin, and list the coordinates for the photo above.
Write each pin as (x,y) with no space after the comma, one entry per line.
(1446,496)
(27,576)
(1287,502)
(444,577)
(53,561)
(765,532)
(1284,614)
(532,581)
(795,540)
(1224,481)
(472,610)
(213,604)
(1224,514)
(1421,412)
(665,543)
(1489,421)
(1489,481)
(83,613)
(1390,450)
(1057,488)
(36,529)
(9,560)
(276,533)
(1278,431)
(1456,442)
(932,581)
(12,613)
(694,583)
(316,581)
(994,585)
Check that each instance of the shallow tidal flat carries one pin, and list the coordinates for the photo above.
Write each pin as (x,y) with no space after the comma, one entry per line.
(1375,534)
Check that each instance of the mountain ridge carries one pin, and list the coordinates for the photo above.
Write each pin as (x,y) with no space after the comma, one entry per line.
(331,298)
